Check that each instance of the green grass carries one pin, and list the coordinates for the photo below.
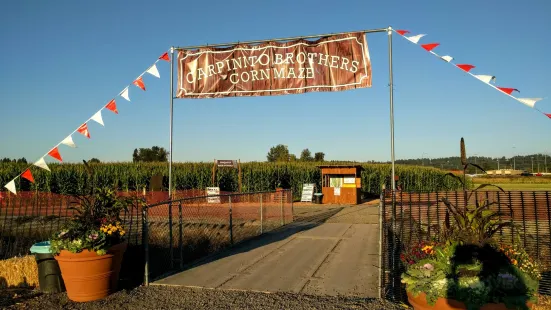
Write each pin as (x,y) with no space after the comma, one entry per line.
(522,186)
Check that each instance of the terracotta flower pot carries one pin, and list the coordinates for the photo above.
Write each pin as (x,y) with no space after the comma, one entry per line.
(420,303)
(89,276)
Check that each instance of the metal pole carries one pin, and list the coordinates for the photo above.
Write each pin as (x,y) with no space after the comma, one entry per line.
(280,39)
(171,121)
(381,245)
(181,230)
(145,242)
(170,235)
(261,216)
(231,222)
(391,89)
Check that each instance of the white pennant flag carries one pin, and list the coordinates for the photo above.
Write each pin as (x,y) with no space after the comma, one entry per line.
(153,71)
(447,58)
(485,78)
(42,164)
(415,39)
(97,117)
(531,102)
(69,142)
(124,94)
(11,186)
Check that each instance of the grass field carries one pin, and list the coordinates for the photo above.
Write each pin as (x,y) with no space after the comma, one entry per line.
(516,183)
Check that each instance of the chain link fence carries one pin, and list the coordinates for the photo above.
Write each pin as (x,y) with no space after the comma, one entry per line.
(180,231)
(410,218)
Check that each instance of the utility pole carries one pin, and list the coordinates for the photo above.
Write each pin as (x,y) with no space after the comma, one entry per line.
(514,156)
(498,164)
(538,160)
(532,164)
(545,158)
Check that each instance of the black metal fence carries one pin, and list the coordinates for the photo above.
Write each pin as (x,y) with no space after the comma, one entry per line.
(180,231)
(409,218)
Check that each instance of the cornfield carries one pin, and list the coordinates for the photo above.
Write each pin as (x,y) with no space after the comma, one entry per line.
(256,176)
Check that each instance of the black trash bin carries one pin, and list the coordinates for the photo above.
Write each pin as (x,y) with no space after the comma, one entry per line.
(49,274)
(318,198)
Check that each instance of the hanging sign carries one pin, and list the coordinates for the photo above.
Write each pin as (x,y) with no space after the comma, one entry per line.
(337,191)
(334,63)
(213,191)
(307,192)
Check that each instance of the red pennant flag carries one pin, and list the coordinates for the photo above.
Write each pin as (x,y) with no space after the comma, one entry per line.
(466,67)
(28,175)
(112,106)
(83,129)
(165,57)
(402,32)
(55,154)
(508,91)
(548,115)
(429,47)
(139,82)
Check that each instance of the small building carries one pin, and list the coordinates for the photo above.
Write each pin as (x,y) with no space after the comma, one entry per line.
(341,184)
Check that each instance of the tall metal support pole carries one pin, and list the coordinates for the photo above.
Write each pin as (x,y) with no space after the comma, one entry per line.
(391,88)
(171,121)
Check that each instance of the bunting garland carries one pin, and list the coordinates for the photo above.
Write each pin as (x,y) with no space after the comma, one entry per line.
(487,79)
(112,106)
(83,129)
(28,175)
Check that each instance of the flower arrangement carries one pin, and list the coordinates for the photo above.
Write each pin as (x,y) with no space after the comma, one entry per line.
(470,265)
(96,226)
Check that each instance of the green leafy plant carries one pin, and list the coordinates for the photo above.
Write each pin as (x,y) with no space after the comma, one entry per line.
(468,263)
(96,226)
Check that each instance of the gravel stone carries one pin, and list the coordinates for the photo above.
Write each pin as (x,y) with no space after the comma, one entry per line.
(169,297)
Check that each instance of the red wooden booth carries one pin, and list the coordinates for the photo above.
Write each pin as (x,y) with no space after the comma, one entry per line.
(341,184)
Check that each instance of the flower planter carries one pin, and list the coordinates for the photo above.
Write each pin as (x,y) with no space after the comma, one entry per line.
(420,303)
(88,276)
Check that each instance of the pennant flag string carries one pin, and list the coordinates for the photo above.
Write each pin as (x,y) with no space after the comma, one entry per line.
(28,175)
(83,129)
(487,79)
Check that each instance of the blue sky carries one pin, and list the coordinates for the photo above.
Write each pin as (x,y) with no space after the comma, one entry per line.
(61,61)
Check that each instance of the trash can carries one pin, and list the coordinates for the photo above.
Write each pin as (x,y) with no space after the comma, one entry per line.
(318,197)
(49,274)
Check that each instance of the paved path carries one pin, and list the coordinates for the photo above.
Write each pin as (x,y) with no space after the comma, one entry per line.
(338,256)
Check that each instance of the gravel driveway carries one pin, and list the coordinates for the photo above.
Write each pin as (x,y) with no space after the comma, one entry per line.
(166,297)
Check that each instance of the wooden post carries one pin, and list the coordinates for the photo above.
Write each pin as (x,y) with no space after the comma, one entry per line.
(214,173)
(239,173)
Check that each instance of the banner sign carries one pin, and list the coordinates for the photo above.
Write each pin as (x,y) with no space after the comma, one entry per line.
(307,192)
(213,191)
(333,63)
(226,163)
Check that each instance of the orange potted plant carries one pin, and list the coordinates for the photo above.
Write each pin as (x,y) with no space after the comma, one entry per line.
(90,247)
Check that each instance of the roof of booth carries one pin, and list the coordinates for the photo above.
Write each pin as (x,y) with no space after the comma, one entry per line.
(341,166)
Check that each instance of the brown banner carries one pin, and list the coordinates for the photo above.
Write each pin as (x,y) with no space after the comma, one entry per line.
(329,64)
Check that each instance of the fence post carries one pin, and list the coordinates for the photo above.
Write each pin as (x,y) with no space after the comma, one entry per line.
(231,222)
(180,241)
(281,208)
(381,281)
(292,207)
(261,216)
(171,237)
(145,242)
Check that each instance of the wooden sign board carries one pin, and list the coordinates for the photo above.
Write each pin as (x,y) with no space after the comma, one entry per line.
(156,183)
(307,192)
(213,191)
(226,163)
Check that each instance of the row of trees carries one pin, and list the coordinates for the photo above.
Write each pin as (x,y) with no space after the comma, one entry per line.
(531,163)
(6,160)
(280,153)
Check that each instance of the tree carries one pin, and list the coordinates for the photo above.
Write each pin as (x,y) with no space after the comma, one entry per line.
(154,154)
(94,161)
(319,156)
(306,155)
(22,160)
(279,152)
(293,157)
